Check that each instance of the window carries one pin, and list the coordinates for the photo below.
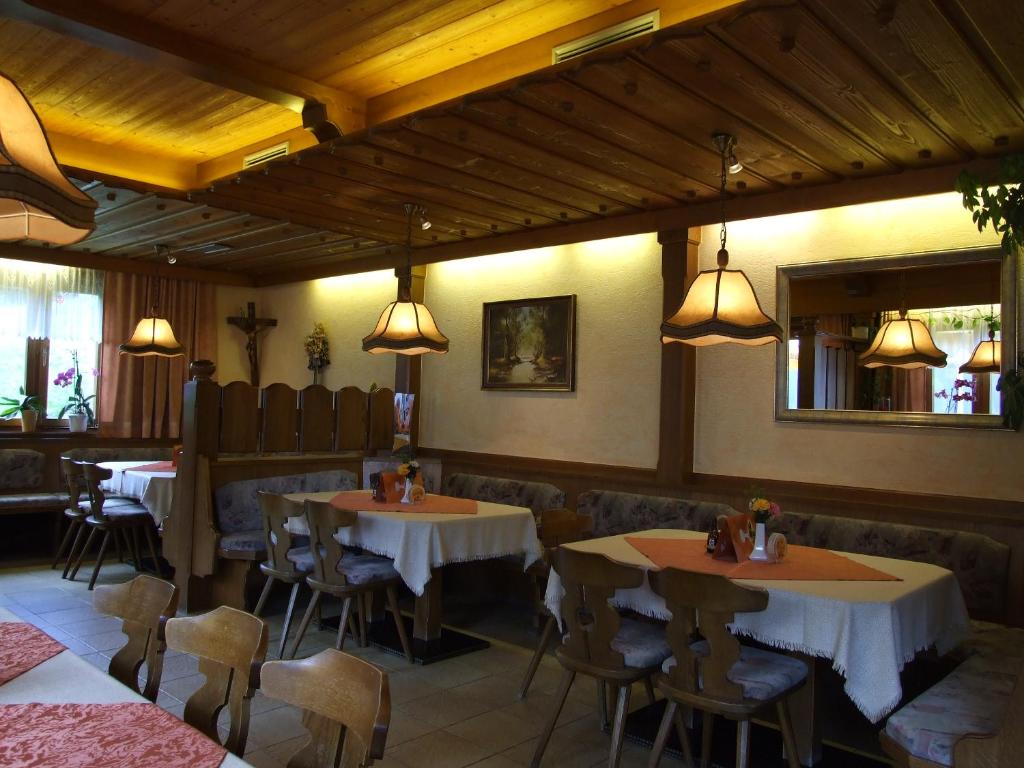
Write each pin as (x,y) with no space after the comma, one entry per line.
(47,313)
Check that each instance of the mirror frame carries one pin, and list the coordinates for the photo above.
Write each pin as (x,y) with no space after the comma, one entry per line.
(1008,290)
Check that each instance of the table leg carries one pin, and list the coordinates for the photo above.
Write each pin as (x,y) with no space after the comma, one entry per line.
(802,710)
(427,618)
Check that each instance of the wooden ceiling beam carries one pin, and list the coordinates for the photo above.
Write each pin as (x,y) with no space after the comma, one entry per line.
(157,45)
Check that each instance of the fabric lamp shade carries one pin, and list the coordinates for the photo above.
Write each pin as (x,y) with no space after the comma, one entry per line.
(153,336)
(903,343)
(986,357)
(720,307)
(408,328)
(37,202)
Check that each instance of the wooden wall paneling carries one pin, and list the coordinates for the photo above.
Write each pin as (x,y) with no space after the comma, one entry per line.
(352,419)
(239,419)
(382,421)
(280,419)
(317,419)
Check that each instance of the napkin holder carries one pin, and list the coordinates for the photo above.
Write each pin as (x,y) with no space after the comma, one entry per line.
(735,538)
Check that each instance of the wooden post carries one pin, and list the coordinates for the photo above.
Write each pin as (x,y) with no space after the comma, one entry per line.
(678,361)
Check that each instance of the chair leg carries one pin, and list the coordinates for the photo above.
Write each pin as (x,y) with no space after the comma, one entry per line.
(346,611)
(258,610)
(682,735)
(563,691)
(80,539)
(288,618)
(662,738)
(132,535)
(403,636)
(314,602)
(742,744)
(361,610)
(99,558)
(147,531)
(81,554)
(619,725)
(705,739)
(649,687)
(788,737)
(538,654)
(65,542)
(118,546)
(602,703)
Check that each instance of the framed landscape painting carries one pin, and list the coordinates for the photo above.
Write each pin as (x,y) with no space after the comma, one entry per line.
(530,344)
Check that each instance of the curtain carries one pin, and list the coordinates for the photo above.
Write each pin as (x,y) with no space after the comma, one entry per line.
(142,396)
(912,390)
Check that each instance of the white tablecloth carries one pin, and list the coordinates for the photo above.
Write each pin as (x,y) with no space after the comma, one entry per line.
(869,629)
(418,542)
(68,679)
(154,489)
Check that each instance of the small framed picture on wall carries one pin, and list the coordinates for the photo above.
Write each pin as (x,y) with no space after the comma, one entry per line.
(530,344)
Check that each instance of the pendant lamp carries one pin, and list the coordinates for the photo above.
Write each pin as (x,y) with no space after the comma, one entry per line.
(153,335)
(405,326)
(37,202)
(903,343)
(986,357)
(720,306)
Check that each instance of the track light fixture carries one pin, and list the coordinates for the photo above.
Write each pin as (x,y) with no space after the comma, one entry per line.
(165,251)
(424,221)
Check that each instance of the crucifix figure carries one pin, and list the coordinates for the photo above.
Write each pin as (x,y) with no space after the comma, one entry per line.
(252,327)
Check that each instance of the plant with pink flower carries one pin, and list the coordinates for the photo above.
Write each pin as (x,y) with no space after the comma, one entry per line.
(77,401)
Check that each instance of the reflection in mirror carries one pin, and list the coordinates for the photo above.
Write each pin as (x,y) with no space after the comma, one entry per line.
(834,312)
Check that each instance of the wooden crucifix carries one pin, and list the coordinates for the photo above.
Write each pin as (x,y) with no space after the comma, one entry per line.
(252,327)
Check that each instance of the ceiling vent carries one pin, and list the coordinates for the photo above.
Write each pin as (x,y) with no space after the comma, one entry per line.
(208,249)
(627,30)
(265,154)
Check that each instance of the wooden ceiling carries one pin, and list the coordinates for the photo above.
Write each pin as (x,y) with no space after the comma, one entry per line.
(831,102)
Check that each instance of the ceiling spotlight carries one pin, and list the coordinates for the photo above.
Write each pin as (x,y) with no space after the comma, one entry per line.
(735,166)
(424,221)
(165,251)
(726,145)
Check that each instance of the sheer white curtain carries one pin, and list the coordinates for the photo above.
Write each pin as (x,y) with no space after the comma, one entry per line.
(957,331)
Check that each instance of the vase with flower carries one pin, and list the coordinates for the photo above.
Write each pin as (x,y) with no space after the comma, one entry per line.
(763,510)
(77,409)
(317,351)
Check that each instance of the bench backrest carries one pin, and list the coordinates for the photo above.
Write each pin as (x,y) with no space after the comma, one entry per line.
(127,453)
(615,513)
(21,469)
(539,497)
(237,504)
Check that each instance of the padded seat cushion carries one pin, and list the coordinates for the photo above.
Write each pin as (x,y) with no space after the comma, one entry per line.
(970,700)
(301,558)
(33,500)
(993,642)
(122,511)
(243,541)
(366,569)
(761,674)
(641,644)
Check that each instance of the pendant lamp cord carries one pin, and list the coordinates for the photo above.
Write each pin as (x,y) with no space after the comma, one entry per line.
(722,235)
(405,273)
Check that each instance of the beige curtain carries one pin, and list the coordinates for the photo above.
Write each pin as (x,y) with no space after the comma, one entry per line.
(912,390)
(142,396)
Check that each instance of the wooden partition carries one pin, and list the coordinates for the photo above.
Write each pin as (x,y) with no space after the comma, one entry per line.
(237,432)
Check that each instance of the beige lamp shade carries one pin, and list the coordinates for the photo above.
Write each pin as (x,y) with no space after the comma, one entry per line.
(37,202)
(903,343)
(720,308)
(407,328)
(153,336)
(986,357)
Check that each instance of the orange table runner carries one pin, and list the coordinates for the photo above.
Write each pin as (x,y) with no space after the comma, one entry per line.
(800,563)
(23,647)
(101,736)
(431,504)
(159,466)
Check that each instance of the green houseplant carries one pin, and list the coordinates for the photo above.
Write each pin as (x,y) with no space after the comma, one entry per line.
(77,409)
(27,406)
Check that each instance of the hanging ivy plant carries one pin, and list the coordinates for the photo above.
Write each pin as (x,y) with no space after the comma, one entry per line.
(1001,205)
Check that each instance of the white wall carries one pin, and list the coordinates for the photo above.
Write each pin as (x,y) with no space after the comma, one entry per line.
(612,417)
(736,433)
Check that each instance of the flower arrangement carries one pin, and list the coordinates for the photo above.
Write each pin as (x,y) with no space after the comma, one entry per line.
(77,402)
(963,390)
(409,470)
(317,348)
(763,509)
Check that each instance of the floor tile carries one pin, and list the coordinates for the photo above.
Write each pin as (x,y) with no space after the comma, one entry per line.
(444,708)
(439,749)
(275,726)
(496,729)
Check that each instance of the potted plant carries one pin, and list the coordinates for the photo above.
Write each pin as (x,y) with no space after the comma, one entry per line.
(77,408)
(317,350)
(27,406)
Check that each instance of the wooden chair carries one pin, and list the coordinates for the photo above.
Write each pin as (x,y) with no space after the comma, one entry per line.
(346,707)
(231,645)
(144,604)
(717,675)
(615,651)
(345,575)
(125,520)
(282,557)
(76,512)
(554,527)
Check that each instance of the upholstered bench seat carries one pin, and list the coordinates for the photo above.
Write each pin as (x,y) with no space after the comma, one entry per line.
(243,544)
(761,674)
(21,482)
(32,501)
(992,641)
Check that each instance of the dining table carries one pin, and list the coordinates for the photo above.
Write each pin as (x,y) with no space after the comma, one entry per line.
(867,629)
(421,539)
(151,482)
(57,709)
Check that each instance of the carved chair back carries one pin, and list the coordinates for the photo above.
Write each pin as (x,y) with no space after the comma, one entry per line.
(346,707)
(74,478)
(705,603)
(324,521)
(144,604)
(276,510)
(94,474)
(230,645)
(590,581)
(1002,750)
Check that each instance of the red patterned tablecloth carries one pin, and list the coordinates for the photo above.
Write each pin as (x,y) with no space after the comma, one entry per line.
(23,647)
(101,736)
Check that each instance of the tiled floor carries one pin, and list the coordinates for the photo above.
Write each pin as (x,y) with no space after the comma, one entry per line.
(455,713)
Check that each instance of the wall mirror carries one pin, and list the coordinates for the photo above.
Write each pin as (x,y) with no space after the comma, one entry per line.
(831,313)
